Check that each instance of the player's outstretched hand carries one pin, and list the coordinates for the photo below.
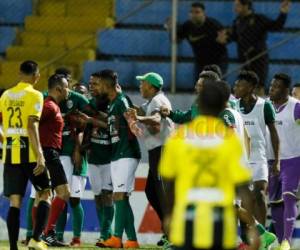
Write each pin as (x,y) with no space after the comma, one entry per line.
(164,111)
(40,165)
(131,113)
(285,6)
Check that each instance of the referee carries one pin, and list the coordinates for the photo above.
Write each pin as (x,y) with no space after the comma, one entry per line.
(21,108)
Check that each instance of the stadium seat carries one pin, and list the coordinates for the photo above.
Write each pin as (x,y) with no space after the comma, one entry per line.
(185,72)
(157,43)
(8,35)
(90,8)
(33,38)
(49,53)
(52,8)
(158,11)
(14,11)
(64,24)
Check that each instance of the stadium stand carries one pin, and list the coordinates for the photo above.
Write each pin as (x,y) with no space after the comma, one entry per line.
(14,11)
(145,45)
(56,27)
(8,35)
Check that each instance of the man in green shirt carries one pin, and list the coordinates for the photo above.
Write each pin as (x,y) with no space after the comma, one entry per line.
(99,157)
(181,117)
(124,160)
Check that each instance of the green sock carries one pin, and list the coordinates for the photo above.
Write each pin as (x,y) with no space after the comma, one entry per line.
(29,227)
(100,217)
(260,228)
(61,224)
(120,217)
(78,217)
(108,215)
(129,227)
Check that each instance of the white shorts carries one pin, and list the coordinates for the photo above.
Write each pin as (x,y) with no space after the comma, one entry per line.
(260,171)
(77,183)
(123,174)
(100,178)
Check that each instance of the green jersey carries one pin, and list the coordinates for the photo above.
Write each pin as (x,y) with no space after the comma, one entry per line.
(100,149)
(124,143)
(74,102)
(228,118)
(181,117)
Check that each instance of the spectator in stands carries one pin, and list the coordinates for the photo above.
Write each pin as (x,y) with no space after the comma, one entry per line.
(296,91)
(250,30)
(206,37)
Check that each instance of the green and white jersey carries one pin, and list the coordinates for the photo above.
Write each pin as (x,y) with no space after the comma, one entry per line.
(74,102)
(124,143)
(100,150)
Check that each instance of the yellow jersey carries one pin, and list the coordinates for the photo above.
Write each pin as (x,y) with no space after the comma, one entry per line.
(17,104)
(204,159)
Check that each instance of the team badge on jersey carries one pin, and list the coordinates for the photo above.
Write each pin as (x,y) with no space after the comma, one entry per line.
(70,104)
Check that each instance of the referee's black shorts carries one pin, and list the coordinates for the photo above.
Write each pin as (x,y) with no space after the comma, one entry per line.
(16,177)
(55,168)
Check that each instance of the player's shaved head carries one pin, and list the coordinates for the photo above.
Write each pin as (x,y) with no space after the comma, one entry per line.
(213,97)
(56,80)
(80,88)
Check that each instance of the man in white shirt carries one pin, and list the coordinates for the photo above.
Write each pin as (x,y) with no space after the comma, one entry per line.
(156,131)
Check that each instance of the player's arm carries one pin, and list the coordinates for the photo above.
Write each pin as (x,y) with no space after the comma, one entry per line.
(77,157)
(247,141)
(176,116)
(33,134)
(269,114)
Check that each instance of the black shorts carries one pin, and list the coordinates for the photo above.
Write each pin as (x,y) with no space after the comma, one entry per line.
(16,177)
(55,168)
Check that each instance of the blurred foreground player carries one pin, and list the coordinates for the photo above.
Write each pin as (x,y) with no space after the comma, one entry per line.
(21,108)
(283,188)
(201,212)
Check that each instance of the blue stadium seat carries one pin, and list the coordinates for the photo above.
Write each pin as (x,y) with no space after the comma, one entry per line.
(8,35)
(15,11)
(132,42)
(185,72)
(157,12)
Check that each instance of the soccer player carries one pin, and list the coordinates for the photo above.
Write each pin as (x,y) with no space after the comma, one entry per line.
(51,128)
(99,158)
(157,130)
(258,115)
(21,108)
(124,161)
(283,187)
(245,26)
(181,117)
(296,91)
(81,89)
(201,213)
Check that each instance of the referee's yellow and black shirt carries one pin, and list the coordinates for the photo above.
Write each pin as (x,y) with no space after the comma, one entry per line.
(17,104)
(204,159)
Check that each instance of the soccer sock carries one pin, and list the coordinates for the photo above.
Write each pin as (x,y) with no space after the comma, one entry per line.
(33,215)
(289,216)
(42,213)
(243,227)
(100,217)
(129,226)
(29,226)
(13,227)
(108,215)
(277,212)
(260,228)
(78,217)
(57,208)
(61,224)
(120,217)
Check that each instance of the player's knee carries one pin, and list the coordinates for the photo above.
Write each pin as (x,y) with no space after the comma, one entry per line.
(15,201)
(107,198)
(119,196)
(74,202)
(63,192)
(44,195)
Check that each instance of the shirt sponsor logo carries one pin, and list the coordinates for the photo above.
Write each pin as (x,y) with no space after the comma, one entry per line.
(249,123)
(38,107)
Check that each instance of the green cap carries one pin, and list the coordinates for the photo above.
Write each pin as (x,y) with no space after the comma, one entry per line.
(152,78)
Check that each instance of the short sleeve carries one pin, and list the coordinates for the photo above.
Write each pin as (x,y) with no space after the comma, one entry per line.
(36,104)
(124,105)
(269,113)
(168,162)
(240,174)
(82,102)
(156,104)
(228,118)
(48,111)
